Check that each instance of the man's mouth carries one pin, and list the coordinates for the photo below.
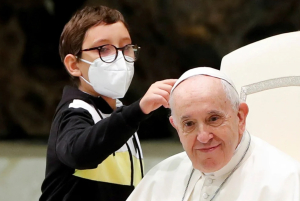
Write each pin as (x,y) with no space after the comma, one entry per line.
(209,149)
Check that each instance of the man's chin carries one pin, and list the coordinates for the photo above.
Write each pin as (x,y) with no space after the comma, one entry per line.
(208,166)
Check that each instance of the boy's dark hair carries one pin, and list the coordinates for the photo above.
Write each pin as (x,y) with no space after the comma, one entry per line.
(74,31)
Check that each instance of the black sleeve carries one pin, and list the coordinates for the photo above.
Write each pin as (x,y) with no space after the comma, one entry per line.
(81,144)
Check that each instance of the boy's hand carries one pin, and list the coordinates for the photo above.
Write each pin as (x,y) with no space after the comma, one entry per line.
(157,95)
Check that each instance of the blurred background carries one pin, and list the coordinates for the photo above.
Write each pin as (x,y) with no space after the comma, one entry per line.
(174,35)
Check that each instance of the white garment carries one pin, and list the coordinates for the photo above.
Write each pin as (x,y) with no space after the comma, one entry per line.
(265,174)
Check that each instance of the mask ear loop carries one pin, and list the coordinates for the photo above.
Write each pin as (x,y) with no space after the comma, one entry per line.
(86,81)
(85,61)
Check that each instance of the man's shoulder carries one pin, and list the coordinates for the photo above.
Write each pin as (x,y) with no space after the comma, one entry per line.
(271,155)
(173,163)
(175,158)
(170,170)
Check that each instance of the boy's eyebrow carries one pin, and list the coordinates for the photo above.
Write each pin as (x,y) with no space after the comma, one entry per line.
(126,38)
(96,42)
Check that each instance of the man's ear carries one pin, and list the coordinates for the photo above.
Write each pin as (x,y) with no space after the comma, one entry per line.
(71,65)
(172,122)
(242,115)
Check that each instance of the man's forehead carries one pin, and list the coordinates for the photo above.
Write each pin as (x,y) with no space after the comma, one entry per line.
(205,113)
(193,96)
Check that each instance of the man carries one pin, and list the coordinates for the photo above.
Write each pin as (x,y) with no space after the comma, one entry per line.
(222,161)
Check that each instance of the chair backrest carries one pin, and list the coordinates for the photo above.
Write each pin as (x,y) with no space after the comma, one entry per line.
(267,75)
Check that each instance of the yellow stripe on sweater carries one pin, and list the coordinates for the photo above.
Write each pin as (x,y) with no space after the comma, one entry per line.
(114,169)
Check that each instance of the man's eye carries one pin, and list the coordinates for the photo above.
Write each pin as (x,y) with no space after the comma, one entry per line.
(215,120)
(188,126)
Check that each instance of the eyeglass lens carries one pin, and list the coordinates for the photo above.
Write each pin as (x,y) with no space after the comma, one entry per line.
(108,53)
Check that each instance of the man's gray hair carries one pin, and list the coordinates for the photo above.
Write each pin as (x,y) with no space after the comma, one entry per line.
(231,95)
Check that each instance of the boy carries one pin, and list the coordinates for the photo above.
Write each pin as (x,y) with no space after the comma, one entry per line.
(93,150)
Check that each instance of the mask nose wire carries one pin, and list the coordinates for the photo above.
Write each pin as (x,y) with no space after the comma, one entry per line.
(126,69)
(122,53)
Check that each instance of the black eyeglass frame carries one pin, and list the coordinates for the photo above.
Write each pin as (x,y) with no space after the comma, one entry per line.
(117,51)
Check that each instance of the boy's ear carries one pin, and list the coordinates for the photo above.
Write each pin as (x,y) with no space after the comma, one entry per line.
(71,65)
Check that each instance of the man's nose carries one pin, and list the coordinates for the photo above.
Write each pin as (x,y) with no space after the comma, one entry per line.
(204,135)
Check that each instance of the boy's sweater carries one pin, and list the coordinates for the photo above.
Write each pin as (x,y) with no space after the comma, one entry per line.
(93,152)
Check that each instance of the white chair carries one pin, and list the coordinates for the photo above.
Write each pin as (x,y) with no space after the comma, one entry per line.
(267,75)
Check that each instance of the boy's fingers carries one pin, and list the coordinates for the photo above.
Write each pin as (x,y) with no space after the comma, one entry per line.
(169,81)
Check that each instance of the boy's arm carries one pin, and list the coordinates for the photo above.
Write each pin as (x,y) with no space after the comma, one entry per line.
(81,144)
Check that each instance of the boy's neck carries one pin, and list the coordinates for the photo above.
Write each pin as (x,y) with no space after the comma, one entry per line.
(111,102)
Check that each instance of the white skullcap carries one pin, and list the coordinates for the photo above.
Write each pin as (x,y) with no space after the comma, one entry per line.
(203,71)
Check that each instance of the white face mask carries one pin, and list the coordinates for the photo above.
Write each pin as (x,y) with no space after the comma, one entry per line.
(110,79)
